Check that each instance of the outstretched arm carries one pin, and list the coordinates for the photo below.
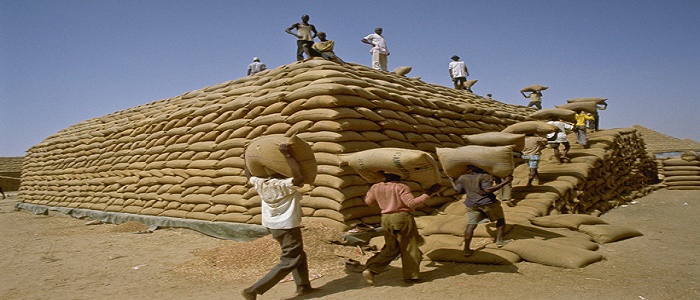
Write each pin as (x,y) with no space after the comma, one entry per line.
(297,176)
(500,185)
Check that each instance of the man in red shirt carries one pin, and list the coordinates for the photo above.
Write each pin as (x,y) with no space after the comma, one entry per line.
(401,235)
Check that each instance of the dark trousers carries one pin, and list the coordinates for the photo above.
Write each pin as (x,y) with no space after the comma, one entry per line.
(293,259)
(300,48)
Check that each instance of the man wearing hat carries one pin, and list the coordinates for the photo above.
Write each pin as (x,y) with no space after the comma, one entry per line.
(458,72)
(256,66)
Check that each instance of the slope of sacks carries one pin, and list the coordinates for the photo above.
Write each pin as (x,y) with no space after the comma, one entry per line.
(615,169)
(681,172)
(182,157)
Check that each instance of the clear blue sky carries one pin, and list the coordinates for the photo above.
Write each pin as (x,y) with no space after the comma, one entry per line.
(62,62)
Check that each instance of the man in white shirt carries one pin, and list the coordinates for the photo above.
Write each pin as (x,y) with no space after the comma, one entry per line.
(458,72)
(556,138)
(256,66)
(281,214)
(379,51)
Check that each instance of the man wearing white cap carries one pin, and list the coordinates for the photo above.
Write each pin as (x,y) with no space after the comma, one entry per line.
(256,66)
(458,72)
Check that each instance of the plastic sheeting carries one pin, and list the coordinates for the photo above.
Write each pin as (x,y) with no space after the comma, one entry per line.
(223,230)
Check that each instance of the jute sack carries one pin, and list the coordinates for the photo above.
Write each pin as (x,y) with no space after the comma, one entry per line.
(603,233)
(531,127)
(552,254)
(571,221)
(263,158)
(589,107)
(533,88)
(402,70)
(597,101)
(680,162)
(559,113)
(496,139)
(482,256)
(497,161)
(456,225)
(414,165)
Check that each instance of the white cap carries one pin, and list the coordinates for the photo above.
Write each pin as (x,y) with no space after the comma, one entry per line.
(256,59)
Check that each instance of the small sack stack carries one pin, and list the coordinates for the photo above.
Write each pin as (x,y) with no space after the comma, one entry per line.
(615,170)
(681,173)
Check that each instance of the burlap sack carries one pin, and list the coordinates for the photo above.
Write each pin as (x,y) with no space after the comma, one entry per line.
(602,105)
(414,165)
(603,233)
(589,107)
(552,254)
(531,127)
(456,225)
(496,139)
(571,221)
(680,162)
(402,70)
(559,113)
(497,161)
(263,158)
(482,256)
(533,88)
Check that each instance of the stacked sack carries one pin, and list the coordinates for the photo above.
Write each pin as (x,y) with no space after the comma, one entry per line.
(683,172)
(615,170)
(182,157)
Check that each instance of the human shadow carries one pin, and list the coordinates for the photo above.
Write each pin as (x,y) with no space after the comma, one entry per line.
(392,277)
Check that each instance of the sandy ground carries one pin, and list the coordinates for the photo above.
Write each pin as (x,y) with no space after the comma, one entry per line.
(58,257)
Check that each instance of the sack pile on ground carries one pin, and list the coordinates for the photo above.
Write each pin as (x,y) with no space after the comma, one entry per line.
(183,157)
(560,209)
(619,170)
(681,172)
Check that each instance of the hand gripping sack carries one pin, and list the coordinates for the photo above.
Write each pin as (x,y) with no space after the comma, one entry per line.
(411,165)
(496,139)
(497,161)
(263,158)
(531,127)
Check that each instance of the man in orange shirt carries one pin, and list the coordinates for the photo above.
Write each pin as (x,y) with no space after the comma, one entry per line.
(401,235)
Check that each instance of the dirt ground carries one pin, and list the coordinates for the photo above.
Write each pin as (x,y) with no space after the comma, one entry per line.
(58,257)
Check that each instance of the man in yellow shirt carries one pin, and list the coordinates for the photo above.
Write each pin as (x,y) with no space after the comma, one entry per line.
(580,128)
(324,48)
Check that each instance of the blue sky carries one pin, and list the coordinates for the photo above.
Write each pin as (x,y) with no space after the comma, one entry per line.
(62,62)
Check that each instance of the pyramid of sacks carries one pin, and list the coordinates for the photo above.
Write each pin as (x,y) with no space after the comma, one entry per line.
(183,157)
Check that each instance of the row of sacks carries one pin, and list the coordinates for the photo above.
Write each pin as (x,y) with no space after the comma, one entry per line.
(567,241)
(615,170)
(681,172)
(245,110)
(624,173)
(563,240)
(187,150)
